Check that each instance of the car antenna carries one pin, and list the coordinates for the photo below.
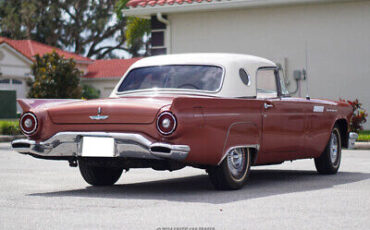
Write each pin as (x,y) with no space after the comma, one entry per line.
(304,71)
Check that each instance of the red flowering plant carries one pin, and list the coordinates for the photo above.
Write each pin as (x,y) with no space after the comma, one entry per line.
(358,117)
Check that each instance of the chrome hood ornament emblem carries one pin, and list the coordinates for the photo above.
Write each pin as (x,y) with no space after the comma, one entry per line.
(99,116)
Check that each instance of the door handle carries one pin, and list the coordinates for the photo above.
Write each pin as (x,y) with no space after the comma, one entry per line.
(267,106)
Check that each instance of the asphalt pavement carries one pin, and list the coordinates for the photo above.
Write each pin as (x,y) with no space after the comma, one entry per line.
(42,194)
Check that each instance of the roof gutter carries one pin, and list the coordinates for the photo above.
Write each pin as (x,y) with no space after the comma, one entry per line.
(216,5)
(168,41)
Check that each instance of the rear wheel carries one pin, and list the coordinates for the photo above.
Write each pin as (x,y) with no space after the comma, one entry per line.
(233,171)
(329,161)
(97,175)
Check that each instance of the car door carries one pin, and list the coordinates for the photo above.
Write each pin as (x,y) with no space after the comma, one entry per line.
(283,119)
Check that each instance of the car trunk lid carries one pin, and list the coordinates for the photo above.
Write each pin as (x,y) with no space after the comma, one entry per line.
(130,110)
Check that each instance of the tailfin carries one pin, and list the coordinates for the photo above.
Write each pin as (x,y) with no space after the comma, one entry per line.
(27,104)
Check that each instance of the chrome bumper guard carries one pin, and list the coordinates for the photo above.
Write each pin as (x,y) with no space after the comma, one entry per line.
(67,144)
(352,137)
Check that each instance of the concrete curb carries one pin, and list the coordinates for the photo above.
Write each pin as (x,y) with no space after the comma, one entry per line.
(8,138)
(5,146)
(362,145)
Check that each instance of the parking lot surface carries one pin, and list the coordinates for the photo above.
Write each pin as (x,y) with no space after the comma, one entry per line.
(41,194)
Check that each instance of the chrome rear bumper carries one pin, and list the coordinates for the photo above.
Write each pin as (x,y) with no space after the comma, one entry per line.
(352,137)
(67,144)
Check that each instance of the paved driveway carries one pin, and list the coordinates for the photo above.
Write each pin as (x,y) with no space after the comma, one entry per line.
(40,194)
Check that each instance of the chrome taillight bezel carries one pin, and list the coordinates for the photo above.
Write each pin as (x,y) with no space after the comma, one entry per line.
(35,122)
(170,131)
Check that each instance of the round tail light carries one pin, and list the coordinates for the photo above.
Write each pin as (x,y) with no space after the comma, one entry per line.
(28,123)
(166,123)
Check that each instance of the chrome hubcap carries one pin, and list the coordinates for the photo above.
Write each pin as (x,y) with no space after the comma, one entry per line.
(236,162)
(333,148)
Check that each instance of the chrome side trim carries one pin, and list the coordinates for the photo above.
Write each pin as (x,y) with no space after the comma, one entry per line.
(352,137)
(126,145)
(318,109)
(256,146)
(332,110)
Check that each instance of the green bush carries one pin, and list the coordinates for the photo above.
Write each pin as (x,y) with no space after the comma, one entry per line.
(54,77)
(364,135)
(9,128)
(89,92)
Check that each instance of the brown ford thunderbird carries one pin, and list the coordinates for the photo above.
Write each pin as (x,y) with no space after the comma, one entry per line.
(220,112)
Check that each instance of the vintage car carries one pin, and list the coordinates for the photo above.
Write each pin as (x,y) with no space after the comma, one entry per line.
(220,112)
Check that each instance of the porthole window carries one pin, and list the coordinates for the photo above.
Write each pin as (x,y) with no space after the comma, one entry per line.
(245,77)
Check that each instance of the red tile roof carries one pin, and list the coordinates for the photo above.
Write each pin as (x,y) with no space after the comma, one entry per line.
(143,3)
(113,68)
(30,48)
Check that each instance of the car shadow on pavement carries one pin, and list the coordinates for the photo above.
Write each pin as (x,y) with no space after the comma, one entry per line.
(262,183)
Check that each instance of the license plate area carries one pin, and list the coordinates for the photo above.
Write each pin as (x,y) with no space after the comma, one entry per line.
(97,147)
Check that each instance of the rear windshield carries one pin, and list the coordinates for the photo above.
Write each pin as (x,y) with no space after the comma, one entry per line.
(195,77)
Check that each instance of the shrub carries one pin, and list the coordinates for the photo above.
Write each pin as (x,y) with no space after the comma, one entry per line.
(89,92)
(55,77)
(358,117)
(9,128)
(364,135)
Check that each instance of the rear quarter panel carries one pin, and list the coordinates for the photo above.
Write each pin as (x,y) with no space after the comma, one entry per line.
(212,125)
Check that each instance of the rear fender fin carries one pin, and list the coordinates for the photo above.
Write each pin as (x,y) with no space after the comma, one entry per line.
(27,104)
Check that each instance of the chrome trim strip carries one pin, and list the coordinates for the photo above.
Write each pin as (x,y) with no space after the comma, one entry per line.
(126,145)
(256,146)
(318,109)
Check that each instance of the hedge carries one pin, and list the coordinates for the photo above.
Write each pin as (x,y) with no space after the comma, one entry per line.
(9,127)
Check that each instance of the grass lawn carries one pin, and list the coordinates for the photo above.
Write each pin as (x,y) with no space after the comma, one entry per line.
(364,135)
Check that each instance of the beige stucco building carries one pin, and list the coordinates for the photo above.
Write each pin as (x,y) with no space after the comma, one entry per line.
(327,38)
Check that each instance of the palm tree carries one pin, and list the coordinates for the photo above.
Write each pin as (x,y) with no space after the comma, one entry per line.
(137,31)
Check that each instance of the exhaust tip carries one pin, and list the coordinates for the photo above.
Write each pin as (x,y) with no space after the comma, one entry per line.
(20,145)
(160,149)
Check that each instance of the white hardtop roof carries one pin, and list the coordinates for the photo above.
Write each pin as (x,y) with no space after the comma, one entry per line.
(232,85)
(218,59)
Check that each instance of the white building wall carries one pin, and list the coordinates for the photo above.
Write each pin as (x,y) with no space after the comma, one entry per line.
(16,68)
(335,37)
